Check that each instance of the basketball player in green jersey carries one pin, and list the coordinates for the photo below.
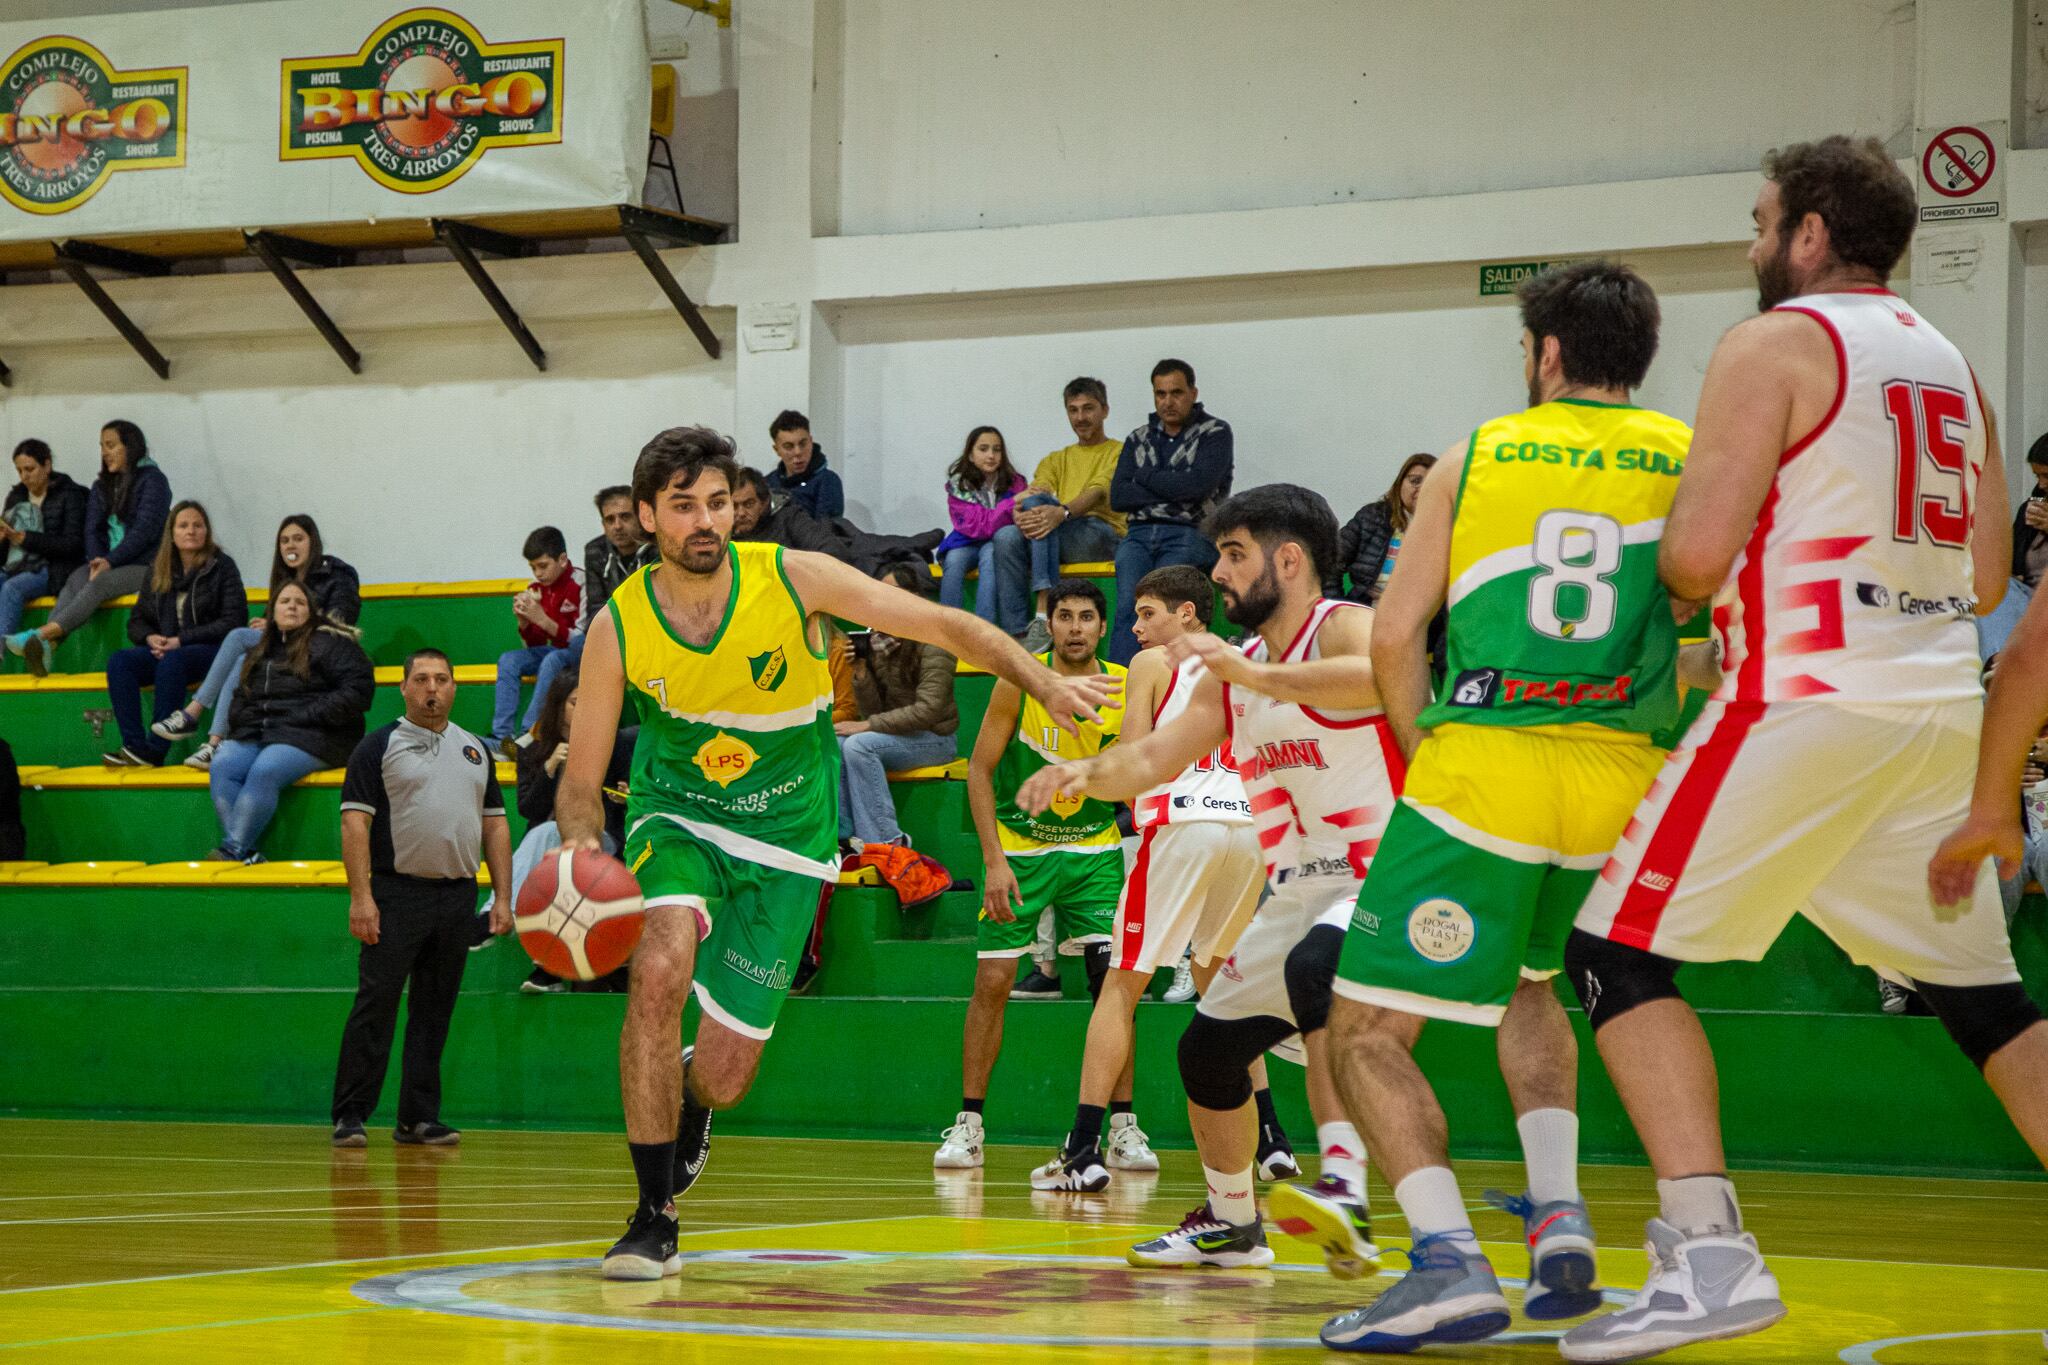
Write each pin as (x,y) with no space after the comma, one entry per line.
(733,817)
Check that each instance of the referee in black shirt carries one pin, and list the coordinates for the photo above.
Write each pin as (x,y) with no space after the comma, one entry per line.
(419,804)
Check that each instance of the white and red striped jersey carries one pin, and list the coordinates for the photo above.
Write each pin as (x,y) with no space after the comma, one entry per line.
(1856,586)
(1210,788)
(1322,783)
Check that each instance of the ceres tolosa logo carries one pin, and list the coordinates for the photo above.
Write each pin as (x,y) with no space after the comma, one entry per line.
(69,120)
(422,100)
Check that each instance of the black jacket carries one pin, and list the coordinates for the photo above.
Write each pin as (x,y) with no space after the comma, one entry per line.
(61,542)
(336,590)
(1361,552)
(321,713)
(604,568)
(537,790)
(215,604)
(787,524)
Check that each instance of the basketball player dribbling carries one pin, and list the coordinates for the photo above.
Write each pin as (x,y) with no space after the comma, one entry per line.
(1845,506)
(733,817)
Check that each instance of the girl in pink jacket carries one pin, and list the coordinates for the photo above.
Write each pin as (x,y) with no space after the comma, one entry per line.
(981,494)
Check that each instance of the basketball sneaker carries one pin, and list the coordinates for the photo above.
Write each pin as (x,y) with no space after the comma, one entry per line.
(1561,1266)
(1128,1150)
(349,1133)
(428,1133)
(1331,1215)
(693,1135)
(1204,1239)
(960,1145)
(1706,1288)
(648,1250)
(1276,1157)
(1447,1295)
(1076,1173)
(1183,988)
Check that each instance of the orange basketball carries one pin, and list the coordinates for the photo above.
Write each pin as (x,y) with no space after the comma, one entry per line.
(579,914)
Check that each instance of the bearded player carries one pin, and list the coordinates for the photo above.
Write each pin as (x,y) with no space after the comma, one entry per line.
(733,817)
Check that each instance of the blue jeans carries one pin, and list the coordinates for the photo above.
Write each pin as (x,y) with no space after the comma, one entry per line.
(132,669)
(1992,630)
(541,840)
(513,665)
(224,679)
(866,809)
(17,590)
(246,780)
(1150,545)
(1077,540)
(1005,567)
(567,657)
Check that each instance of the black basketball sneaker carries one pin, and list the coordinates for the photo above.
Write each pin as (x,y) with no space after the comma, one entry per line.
(648,1250)
(693,1135)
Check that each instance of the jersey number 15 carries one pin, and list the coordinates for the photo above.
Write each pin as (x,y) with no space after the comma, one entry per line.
(1929,423)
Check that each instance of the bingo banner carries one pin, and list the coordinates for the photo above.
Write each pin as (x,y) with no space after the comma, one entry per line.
(313,111)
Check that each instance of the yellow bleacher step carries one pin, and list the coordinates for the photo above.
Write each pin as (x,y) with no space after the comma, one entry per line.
(74,874)
(370,592)
(190,873)
(176,777)
(10,869)
(956,771)
(390,676)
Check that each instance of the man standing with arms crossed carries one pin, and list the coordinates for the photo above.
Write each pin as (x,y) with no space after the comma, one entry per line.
(1845,506)
(733,817)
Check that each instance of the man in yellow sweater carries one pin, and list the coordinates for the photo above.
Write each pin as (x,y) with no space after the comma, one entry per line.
(1065,514)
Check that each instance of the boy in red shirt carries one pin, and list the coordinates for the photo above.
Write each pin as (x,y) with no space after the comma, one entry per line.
(547,611)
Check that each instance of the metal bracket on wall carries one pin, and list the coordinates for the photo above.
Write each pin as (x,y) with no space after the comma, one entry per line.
(75,257)
(642,230)
(277,251)
(463,241)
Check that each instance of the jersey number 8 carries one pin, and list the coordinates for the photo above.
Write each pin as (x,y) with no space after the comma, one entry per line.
(1574,597)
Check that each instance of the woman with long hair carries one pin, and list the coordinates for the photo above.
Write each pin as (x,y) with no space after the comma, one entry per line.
(1371,540)
(981,495)
(298,557)
(191,599)
(306,686)
(125,516)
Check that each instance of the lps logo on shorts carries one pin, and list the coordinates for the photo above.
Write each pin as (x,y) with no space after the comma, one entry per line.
(1441,930)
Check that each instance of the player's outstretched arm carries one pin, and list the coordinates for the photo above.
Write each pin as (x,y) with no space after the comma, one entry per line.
(1128,767)
(827,585)
(600,694)
(999,892)
(1991,536)
(2013,715)
(1765,373)
(1398,637)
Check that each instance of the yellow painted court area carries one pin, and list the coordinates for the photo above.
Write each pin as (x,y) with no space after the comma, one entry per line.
(213,1242)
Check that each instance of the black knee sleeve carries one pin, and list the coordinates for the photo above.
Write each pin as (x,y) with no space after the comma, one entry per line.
(1095,959)
(1216,1057)
(1311,967)
(1613,978)
(1982,1019)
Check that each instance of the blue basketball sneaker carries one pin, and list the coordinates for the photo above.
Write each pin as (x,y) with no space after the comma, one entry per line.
(1447,1295)
(1561,1266)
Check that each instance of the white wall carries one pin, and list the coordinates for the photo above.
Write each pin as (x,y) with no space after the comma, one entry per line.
(986,113)
(1329,381)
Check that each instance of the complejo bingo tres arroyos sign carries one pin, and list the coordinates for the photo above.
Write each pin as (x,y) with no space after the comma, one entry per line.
(69,119)
(422,100)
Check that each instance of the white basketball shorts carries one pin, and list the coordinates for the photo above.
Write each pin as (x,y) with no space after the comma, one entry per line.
(1254,981)
(1197,884)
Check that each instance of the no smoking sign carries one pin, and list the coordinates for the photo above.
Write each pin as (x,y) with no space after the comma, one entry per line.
(1962,175)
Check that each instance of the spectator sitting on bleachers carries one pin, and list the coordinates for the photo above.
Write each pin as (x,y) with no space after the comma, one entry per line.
(2029,556)
(801,471)
(608,560)
(191,600)
(42,532)
(124,524)
(540,773)
(904,692)
(299,557)
(1064,516)
(305,689)
(1371,540)
(547,611)
(1172,473)
(981,499)
(759,513)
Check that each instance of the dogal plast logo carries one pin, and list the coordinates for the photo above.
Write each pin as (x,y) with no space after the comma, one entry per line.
(422,100)
(69,119)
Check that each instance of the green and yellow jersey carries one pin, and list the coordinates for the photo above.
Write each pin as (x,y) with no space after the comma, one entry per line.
(736,742)
(1070,822)
(1557,616)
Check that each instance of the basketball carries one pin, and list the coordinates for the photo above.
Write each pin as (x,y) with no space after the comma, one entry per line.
(579,915)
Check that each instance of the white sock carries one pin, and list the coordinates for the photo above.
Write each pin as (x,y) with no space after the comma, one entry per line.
(1430,1201)
(1343,1154)
(1550,1150)
(1699,1204)
(1230,1197)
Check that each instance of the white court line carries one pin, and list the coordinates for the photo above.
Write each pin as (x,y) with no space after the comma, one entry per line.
(448,1255)
(379,1209)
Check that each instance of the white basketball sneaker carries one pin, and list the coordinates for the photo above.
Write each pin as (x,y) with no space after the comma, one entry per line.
(1127,1149)
(960,1145)
(1700,1289)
